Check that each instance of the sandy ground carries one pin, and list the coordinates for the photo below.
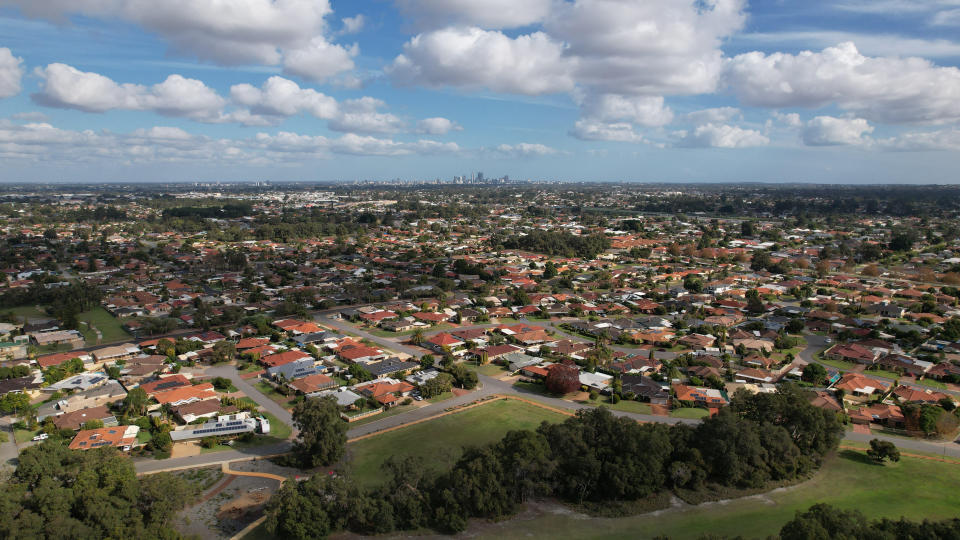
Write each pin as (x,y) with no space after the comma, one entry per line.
(232,503)
(185,449)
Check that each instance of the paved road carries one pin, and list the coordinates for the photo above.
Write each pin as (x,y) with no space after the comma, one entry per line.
(8,450)
(251,391)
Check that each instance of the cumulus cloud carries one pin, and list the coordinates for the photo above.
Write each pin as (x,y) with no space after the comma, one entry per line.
(524,150)
(717,115)
(483,13)
(657,47)
(944,139)
(363,116)
(789,119)
(437,126)
(282,97)
(44,142)
(587,130)
(639,110)
(10,73)
(352,25)
(474,58)
(889,90)
(722,136)
(319,60)
(236,32)
(830,131)
(67,87)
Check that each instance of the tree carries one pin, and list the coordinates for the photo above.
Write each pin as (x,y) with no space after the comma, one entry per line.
(96,423)
(136,401)
(417,337)
(881,450)
(436,386)
(815,374)
(224,351)
(323,434)
(14,402)
(754,302)
(563,379)
(427,361)
(747,229)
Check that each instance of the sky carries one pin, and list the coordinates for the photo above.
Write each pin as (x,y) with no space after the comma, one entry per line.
(823,91)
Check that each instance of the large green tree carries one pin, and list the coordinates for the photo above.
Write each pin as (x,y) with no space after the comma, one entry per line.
(323,434)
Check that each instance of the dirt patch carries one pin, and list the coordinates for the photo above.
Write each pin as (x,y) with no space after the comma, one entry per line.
(660,410)
(244,508)
(185,449)
(460,391)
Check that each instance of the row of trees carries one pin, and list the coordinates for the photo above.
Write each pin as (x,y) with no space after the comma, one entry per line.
(556,243)
(593,458)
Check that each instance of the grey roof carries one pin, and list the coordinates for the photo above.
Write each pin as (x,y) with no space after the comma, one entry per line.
(388,366)
(294,370)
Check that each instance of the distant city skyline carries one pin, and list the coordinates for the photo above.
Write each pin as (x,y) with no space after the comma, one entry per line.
(671,91)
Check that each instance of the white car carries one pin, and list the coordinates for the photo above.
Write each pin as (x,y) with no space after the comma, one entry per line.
(827,340)
(41,437)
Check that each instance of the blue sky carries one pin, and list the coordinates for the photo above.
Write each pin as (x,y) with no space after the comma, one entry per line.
(610,90)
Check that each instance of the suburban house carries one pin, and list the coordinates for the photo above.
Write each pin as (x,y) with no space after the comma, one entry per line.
(289,371)
(444,342)
(58,337)
(186,394)
(122,437)
(705,397)
(851,352)
(312,383)
(285,357)
(188,412)
(74,420)
(646,388)
(386,391)
(860,386)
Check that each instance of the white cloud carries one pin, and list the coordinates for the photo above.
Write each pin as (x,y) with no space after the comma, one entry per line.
(789,119)
(10,73)
(717,115)
(949,17)
(482,13)
(351,144)
(722,136)
(945,139)
(588,130)
(890,90)
(352,25)
(830,131)
(656,47)
(474,58)
(870,44)
(640,110)
(282,97)
(30,116)
(319,60)
(67,87)
(270,32)
(437,126)
(524,150)
(363,116)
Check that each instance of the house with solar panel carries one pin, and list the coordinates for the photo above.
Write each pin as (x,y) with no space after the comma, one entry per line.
(223,426)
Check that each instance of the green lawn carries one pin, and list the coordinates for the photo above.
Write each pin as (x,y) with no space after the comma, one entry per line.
(839,364)
(108,325)
(913,488)
(624,405)
(24,435)
(689,412)
(440,441)
(271,392)
(882,373)
(34,312)
(490,369)
(144,436)
(442,397)
(932,384)
(278,428)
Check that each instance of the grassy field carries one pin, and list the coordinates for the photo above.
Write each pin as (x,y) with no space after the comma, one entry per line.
(24,312)
(108,325)
(689,412)
(440,441)
(933,384)
(490,370)
(847,480)
(271,392)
